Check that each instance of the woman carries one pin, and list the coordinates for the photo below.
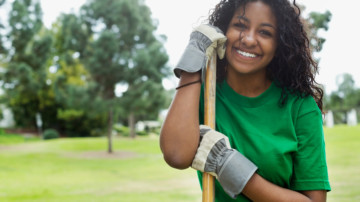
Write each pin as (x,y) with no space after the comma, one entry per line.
(269,145)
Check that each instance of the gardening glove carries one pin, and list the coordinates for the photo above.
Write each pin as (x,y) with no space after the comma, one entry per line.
(204,40)
(215,156)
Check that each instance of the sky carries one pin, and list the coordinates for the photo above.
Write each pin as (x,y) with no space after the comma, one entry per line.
(176,19)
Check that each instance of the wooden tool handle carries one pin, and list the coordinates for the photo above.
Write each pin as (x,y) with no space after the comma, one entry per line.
(208,181)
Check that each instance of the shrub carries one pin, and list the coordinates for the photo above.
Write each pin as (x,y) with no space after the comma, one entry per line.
(141,133)
(122,130)
(97,132)
(50,134)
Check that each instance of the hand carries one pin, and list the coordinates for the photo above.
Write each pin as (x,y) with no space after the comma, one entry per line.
(216,157)
(204,40)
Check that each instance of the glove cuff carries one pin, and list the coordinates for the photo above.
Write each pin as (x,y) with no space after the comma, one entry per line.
(192,60)
(235,173)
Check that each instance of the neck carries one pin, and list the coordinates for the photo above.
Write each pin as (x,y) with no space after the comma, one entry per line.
(248,85)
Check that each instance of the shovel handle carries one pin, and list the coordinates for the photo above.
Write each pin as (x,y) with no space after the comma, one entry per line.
(208,181)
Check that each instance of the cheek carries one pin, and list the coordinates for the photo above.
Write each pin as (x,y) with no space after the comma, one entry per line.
(232,40)
(232,35)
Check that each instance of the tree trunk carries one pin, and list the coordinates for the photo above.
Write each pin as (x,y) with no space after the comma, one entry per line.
(109,135)
(131,120)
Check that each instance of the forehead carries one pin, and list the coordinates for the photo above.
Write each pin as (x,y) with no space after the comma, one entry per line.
(256,12)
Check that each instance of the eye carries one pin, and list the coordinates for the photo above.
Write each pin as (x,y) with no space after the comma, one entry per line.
(240,25)
(266,33)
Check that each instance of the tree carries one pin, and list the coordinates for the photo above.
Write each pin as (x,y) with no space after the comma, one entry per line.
(123,38)
(346,97)
(317,21)
(25,76)
(314,22)
(145,95)
(2,48)
(79,109)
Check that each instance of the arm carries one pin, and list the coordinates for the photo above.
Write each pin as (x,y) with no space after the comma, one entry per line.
(259,189)
(179,137)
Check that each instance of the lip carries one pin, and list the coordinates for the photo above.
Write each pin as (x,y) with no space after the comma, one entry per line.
(247,54)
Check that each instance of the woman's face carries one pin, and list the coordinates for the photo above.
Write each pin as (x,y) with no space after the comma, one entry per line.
(252,39)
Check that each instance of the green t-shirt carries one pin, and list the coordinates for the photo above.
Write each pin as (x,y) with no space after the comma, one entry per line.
(285,142)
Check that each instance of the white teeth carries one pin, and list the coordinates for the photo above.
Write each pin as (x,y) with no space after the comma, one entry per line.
(246,54)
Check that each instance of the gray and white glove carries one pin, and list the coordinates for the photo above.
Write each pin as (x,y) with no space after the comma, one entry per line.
(215,156)
(204,40)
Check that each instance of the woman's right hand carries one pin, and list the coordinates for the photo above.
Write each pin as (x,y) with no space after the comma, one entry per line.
(204,40)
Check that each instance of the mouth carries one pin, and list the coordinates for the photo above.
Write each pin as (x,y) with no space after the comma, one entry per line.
(246,54)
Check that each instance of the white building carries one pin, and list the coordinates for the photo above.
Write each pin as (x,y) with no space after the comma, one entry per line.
(329,119)
(8,118)
(351,118)
(142,125)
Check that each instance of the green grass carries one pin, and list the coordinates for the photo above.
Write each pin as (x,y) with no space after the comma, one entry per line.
(7,139)
(79,169)
(343,158)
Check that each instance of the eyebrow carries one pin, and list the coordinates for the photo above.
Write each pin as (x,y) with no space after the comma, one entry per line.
(262,24)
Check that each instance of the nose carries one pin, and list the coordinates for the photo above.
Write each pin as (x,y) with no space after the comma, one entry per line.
(247,38)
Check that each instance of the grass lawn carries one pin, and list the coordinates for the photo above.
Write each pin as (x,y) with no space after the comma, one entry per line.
(343,158)
(79,169)
(9,139)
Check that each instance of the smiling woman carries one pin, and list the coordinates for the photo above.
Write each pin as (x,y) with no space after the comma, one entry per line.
(265,71)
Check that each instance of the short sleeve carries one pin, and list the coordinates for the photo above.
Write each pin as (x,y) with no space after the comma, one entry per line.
(310,168)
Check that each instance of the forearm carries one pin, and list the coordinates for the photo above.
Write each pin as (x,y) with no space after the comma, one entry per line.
(179,136)
(259,189)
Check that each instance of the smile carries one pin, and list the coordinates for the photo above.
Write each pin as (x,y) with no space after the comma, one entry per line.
(246,54)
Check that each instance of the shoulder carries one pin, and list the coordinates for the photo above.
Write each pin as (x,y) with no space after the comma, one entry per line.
(301,105)
(298,101)
(305,112)
(307,105)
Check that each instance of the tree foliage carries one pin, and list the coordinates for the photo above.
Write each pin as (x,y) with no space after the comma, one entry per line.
(25,77)
(346,98)
(68,74)
(80,111)
(126,51)
(2,48)
(316,22)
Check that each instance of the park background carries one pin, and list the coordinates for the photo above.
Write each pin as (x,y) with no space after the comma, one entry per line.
(73,130)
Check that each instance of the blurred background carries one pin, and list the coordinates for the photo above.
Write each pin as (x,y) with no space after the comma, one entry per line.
(85,84)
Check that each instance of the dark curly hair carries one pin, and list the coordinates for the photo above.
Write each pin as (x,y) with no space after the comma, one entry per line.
(293,68)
